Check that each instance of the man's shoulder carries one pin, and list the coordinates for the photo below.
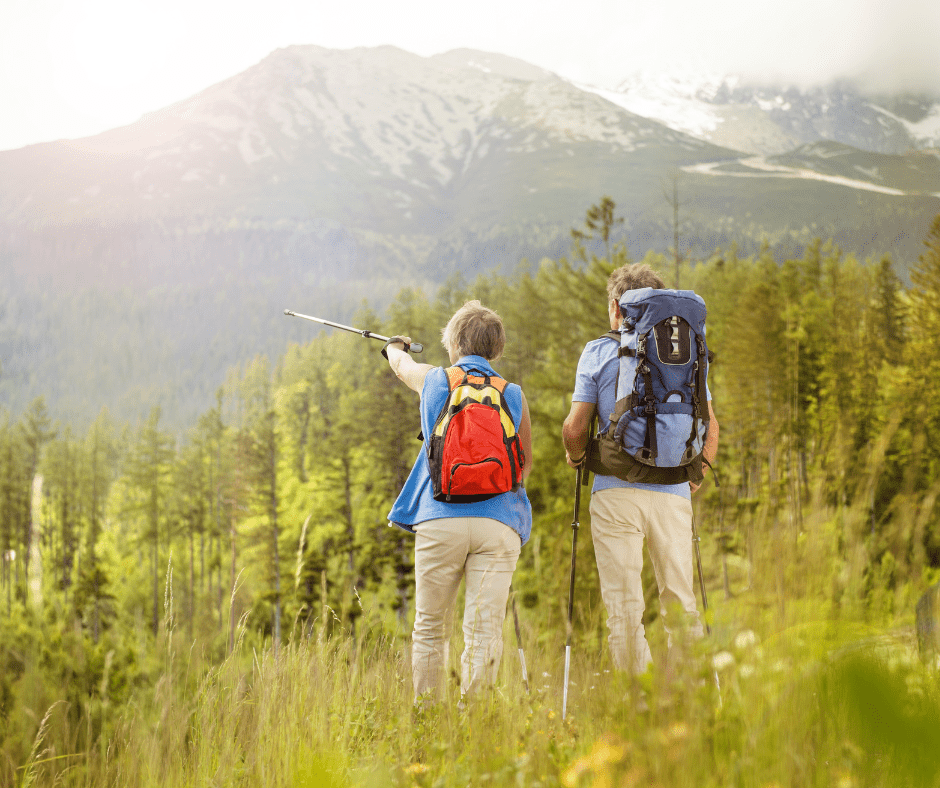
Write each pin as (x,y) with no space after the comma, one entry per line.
(602,349)
(607,341)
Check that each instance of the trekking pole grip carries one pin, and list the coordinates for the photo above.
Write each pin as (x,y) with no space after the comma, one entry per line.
(417,347)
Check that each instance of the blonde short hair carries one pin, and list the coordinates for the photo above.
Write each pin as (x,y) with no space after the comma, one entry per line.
(632,276)
(475,330)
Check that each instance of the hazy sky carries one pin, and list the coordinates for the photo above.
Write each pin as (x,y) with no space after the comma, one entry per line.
(70,68)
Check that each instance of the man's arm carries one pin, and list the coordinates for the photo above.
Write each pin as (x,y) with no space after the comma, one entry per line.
(575,432)
(710,450)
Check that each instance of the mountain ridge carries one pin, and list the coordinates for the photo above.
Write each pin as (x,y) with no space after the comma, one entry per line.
(415,131)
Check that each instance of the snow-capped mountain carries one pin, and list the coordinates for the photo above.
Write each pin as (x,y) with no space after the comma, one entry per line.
(457,161)
(769,120)
(374,138)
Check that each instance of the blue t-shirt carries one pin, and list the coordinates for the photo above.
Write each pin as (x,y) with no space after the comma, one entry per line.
(415,502)
(596,382)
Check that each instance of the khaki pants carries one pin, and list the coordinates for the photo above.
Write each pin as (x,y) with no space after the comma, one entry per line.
(620,519)
(448,549)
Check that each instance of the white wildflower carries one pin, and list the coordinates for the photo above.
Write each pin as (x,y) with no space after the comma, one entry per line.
(745,640)
(722,660)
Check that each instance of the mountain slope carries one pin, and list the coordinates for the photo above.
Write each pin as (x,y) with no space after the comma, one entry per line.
(379,139)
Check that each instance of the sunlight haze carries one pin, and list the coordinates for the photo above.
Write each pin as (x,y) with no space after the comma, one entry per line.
(76,69)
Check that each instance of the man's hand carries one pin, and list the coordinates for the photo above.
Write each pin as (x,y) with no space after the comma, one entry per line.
(574,464)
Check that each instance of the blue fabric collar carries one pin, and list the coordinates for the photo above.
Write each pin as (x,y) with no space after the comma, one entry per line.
(477,363)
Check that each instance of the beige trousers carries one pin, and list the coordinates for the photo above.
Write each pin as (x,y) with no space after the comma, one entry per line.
(620,519)
(483,551)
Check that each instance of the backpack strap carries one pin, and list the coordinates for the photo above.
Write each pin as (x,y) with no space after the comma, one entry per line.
(700,385)
(699,413)
(456,376)
(650,451)
(615,336)
(618,412)
(621,351)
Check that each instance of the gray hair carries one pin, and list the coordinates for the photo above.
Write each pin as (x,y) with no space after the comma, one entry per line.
(475,330)
(632,276)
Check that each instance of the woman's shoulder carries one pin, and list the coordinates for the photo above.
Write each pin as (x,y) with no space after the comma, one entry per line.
(436,377)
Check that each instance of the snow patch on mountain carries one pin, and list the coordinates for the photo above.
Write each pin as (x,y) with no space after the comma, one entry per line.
(760,168)
(683,101)
(928,129)
(924,132)
(771,119)
(682,114)
(774,103)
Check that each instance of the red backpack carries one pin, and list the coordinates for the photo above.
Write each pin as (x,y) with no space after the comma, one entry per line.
(474,452)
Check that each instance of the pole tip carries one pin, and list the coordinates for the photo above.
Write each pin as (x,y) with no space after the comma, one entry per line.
(288,312)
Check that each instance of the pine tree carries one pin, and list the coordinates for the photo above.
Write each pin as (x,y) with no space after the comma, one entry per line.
(60,485)
(15,499)
(148,467)
(599,221)
(37,432)
(923,357)
(264,448)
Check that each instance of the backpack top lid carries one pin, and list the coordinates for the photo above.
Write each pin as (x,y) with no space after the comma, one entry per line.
(644,308)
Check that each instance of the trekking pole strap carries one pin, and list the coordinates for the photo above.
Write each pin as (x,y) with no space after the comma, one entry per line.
(391,341)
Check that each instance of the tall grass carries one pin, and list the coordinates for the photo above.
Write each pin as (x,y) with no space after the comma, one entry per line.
(819,704)
(810,677)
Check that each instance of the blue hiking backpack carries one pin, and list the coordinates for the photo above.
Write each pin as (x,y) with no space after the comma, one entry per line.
(660,421)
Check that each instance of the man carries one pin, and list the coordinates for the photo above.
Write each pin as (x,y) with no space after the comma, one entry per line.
(624,513)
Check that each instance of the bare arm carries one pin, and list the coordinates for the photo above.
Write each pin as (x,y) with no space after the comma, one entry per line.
(710,450)
(575,431)
(409,371)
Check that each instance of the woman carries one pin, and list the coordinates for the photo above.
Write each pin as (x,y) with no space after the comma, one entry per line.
(479,540)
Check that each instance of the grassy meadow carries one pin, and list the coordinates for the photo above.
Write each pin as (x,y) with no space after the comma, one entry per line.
(789,689)
(230,608)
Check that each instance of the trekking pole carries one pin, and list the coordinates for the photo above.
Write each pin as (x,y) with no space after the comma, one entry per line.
(414,346)
(701,577)
(701,582)
(515,618)
(574,544)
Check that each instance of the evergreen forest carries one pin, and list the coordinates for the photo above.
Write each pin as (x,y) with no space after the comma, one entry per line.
(229,606)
